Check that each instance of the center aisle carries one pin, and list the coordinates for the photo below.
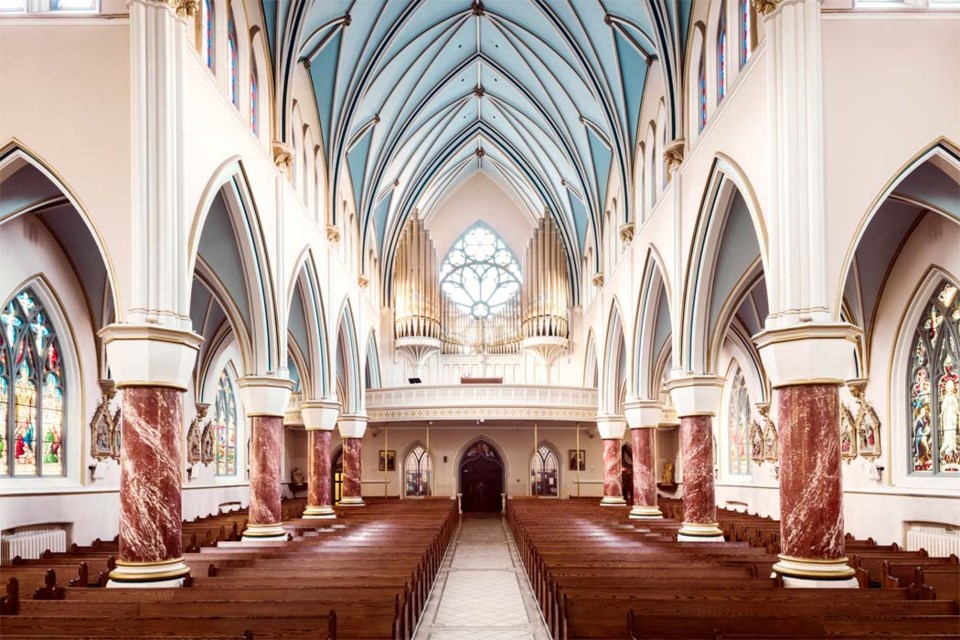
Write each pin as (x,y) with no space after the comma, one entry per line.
(482,592)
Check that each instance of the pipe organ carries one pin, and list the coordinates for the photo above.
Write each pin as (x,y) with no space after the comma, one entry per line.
(416,287)
(546,295)
(427,319)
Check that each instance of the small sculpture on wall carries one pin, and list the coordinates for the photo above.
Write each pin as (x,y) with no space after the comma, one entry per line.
(756,442)
(867,424)
(771,438)
(194,440)
(105,426)
(848,434)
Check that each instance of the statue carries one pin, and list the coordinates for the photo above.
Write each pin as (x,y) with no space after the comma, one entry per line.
(667,477)
(296,476)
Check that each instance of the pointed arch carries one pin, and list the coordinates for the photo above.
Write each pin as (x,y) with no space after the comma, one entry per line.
(591,371)
(417,470)
(348,361)
(653,326)
(614,362)
(307,324)
(372,370)
(729,244)
(494,444)
(545,469)
(227,234)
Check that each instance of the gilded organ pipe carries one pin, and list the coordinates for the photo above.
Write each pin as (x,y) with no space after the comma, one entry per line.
(547,296)
(415,282)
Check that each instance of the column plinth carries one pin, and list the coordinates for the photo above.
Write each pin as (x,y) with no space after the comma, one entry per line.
(352,469)
(151,553)
(644,478)
(265,521)
(699,492)
(318,463)
(811,488)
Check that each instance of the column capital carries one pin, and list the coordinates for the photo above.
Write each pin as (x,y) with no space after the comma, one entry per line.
(642,414)
(765,7)
(352,425)
(808,353)
(610,426)
(265,395)
(282,156)
(320,415)
(696,395)
(150,355)
(673,154)
(183,8)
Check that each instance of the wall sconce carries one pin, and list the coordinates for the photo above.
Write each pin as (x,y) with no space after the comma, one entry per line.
(189,472)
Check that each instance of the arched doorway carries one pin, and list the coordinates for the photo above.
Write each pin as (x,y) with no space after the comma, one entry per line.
(336,487)
(481,479)
(626,472)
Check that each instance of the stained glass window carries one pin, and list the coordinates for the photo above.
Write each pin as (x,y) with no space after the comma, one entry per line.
(254,101)
(226,427)
(543,473)
(702,93)
(418,470)
(207,41)
(738,425)
(31,383)
(746,46)
(934,386)
(480,273)
(73,5)
(722,54)
(234,53)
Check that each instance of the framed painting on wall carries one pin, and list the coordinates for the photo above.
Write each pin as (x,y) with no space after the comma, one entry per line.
(578,460)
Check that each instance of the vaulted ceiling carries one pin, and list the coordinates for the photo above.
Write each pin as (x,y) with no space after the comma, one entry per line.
(416,96)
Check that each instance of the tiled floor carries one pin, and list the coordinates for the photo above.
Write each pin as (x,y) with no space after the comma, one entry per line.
(482,592)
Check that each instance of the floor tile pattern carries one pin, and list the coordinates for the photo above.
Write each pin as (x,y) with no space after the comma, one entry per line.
(482,592)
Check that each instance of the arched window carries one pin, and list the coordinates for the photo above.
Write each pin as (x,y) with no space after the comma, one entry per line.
(254,100)
(722,53)
(234,53)
(738,425)
(702,93)
(543,472)
(226,426)
(206,38)
(746,45)
(653,170)
(31,390)
(480,273)
(934,386)
(418,471)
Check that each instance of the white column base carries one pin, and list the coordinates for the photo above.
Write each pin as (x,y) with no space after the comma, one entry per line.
(315,512)
(352,501)
(700,532)
(613,501)
(646,513)
(265,533)
(136,575)
(811,573)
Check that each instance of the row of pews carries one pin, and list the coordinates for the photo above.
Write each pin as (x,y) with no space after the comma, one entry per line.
(597,574)
(365,575)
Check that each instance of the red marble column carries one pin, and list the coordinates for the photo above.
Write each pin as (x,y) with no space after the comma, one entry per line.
(319,475)
(699,494)
(811,484)
(352,470)
(612,488)
(644,478)
(150,517)
(265,521)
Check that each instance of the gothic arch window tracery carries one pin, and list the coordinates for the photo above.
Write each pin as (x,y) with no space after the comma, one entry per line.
(480,273)
(722,54)
(418,472)
(225,429)
(233,52)
(543,472)
(32,390)
(933,385)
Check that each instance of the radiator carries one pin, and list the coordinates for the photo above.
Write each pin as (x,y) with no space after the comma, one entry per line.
(31,544)
(937,541)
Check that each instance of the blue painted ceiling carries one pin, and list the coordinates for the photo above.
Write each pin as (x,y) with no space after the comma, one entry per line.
(415,96)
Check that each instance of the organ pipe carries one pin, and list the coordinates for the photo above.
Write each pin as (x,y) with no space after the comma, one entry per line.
(546,299)
(416,286)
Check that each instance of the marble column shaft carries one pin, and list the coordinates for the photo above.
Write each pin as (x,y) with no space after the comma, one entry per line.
(696,442)
(612,487)
(811,488)
(318,461)
(150,515)
(644,478)
(352,468)
(265,458)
